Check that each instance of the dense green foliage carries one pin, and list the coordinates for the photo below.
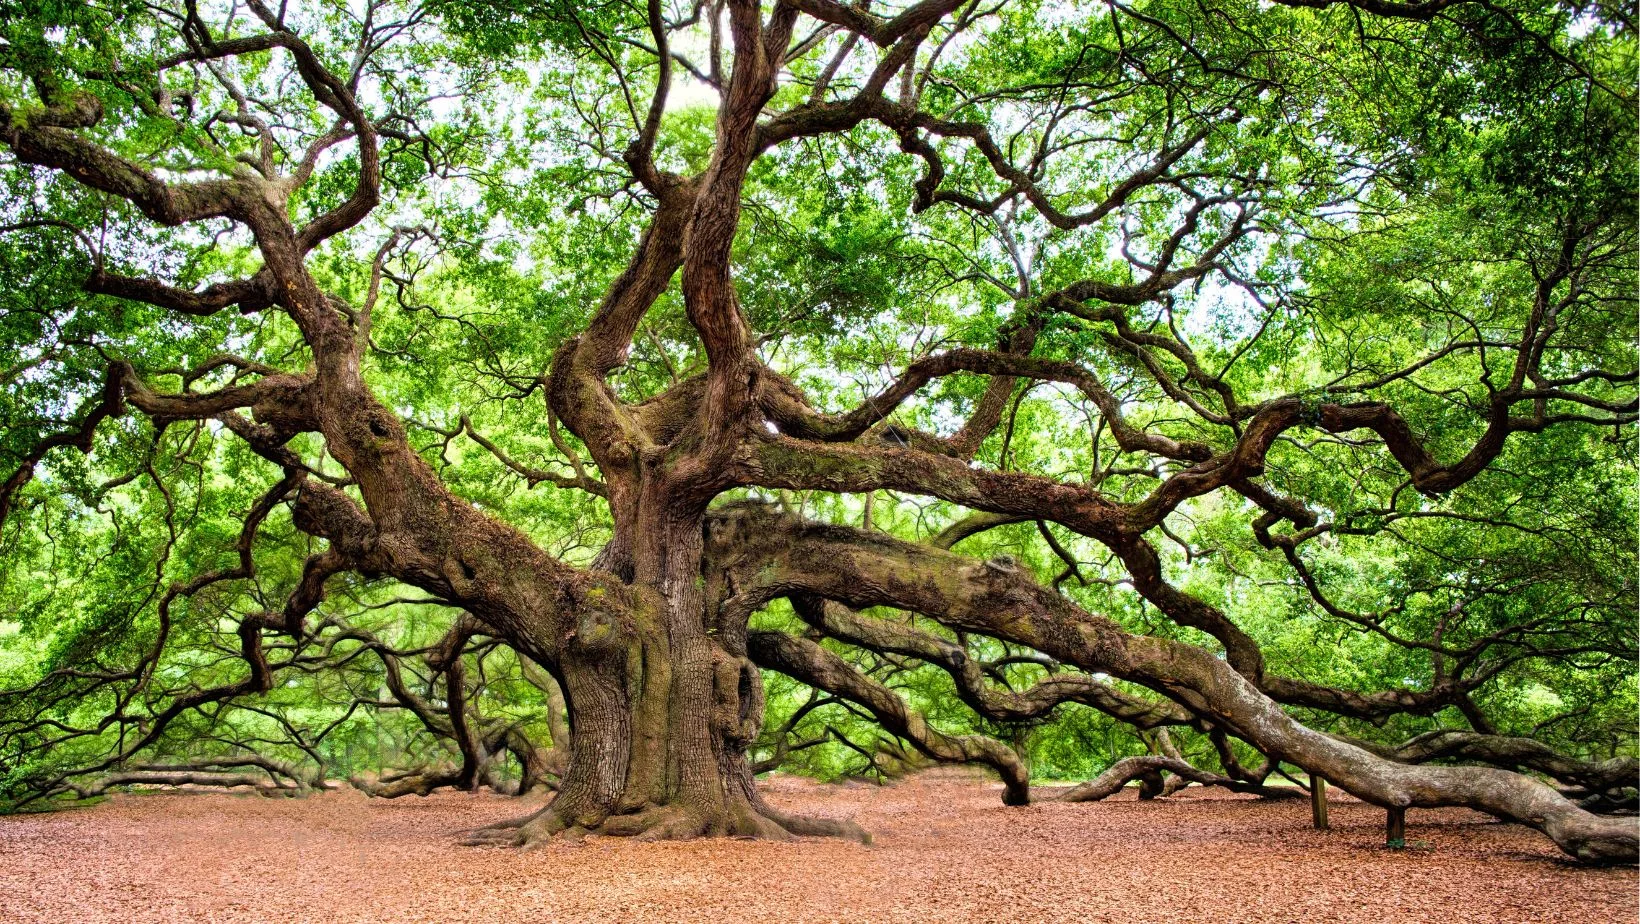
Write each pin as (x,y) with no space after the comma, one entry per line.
(1391,191)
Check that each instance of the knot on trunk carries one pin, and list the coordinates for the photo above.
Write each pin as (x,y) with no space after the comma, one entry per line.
(599,624)
(738,713)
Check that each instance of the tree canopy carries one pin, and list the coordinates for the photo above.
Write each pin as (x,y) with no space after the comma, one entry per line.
(631,399)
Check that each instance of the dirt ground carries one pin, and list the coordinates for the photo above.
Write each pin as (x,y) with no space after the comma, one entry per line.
(946,851)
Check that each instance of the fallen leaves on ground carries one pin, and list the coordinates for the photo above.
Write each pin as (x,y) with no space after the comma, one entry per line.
(946,851)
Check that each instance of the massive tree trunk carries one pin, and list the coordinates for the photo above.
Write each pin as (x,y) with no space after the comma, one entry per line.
(663,703)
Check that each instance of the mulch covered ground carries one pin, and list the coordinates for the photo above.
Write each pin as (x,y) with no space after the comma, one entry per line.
(947,851)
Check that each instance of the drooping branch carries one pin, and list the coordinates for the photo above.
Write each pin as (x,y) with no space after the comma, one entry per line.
(805,661)
(1035,701)
(168,776)
(121,386)
(1513,753)
(110,404)
(778,556)
(1128,769)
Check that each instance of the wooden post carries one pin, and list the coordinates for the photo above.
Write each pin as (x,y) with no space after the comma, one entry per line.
(1395,836)
(1318,803)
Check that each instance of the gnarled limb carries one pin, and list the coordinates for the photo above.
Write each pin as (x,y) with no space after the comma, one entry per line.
(1035,701)
(803,660)
(1148,769)
(1513,753)
(868,569)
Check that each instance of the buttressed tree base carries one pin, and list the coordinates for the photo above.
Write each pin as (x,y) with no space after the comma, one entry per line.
(1256,379)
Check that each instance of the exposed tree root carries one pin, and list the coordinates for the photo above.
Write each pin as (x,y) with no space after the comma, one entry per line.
(553,825)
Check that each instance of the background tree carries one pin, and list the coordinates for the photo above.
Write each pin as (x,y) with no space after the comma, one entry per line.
(1258,377)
